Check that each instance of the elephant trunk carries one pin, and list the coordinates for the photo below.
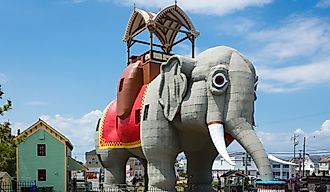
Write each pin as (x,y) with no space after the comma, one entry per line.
(243,132)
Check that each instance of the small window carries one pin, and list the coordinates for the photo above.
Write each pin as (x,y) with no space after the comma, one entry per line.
(137,116)
(41,174)
(121,84)
(276,166)
(138,173)
(41,149)
(145,114)
(137,162)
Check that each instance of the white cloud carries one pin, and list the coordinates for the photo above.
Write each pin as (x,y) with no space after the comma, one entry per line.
(300,43)
(185,49)
(323,4)
(324,130)
(298,36)
(290,55)
(274,142)
(236,26)
(80,131)
(279,141)
(294,77)
(299,131)
(275,88)
(214,7)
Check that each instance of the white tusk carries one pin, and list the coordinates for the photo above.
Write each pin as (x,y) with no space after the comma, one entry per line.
(218,138)
(273,158)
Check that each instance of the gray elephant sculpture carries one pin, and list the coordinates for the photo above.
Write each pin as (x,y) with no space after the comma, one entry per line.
(196,106)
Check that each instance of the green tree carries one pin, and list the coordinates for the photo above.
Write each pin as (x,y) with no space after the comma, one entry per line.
(7,141)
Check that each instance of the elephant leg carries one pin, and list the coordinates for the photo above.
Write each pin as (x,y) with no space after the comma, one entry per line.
(160,145)
(200,169)
(114,162)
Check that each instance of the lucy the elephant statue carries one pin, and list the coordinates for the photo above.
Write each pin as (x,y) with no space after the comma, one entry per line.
(197,106)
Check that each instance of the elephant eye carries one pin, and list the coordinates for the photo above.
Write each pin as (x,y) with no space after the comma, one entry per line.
(219,80)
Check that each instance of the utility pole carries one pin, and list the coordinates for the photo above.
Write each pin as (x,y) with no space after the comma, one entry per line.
(304,152)
(246,157)
(295,143)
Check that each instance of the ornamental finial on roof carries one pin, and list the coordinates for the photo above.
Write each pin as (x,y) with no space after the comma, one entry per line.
(134,6)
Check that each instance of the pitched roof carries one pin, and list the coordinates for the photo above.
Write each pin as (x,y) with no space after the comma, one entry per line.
(40,124)
(3,174)
(234,173)
(325,159)
(315,158)
(92,152)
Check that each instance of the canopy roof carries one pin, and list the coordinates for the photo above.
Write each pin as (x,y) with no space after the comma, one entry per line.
(165,25)
(74,165)
(234,173)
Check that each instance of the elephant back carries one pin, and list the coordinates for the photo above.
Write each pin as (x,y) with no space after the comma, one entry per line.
(129,86)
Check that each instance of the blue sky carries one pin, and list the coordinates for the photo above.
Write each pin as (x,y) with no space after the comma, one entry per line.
(60,60)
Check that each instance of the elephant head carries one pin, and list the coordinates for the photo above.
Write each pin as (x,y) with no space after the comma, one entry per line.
(228,85)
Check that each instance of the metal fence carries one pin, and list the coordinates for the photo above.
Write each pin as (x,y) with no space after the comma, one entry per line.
(121,188)
(13,186)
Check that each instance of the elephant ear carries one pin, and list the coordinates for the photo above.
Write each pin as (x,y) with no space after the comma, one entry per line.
(173,84)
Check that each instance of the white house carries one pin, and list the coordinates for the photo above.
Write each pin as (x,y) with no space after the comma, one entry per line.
(281,171)
(324,165)
(220,166)
(309,166)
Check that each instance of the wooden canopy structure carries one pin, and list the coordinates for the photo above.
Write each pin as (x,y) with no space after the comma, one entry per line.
(165,25)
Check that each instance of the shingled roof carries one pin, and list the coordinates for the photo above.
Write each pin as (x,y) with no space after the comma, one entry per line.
(325,159)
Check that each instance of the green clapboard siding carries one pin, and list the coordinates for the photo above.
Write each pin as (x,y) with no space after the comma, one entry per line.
(54,161)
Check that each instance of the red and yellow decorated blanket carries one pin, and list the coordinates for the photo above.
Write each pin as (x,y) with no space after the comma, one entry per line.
(122,133)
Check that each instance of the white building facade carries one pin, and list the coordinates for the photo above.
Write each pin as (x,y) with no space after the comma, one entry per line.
(243,162)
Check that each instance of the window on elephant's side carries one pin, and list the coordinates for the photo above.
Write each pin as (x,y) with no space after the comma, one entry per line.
(137,116)
(145,114)
(121,84)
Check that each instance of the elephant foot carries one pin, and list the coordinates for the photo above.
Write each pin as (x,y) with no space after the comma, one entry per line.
(199,188)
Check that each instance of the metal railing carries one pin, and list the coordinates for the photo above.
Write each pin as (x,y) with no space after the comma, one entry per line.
(14,186)
(124,188)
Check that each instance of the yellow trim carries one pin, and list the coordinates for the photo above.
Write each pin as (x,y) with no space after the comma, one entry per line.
(17,176)
(65,168)
(35,127)
(119,145)
(102,124)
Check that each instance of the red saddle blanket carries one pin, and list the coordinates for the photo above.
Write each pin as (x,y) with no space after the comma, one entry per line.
(121,133)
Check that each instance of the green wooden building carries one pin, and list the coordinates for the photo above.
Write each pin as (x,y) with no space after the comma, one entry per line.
(45,157)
